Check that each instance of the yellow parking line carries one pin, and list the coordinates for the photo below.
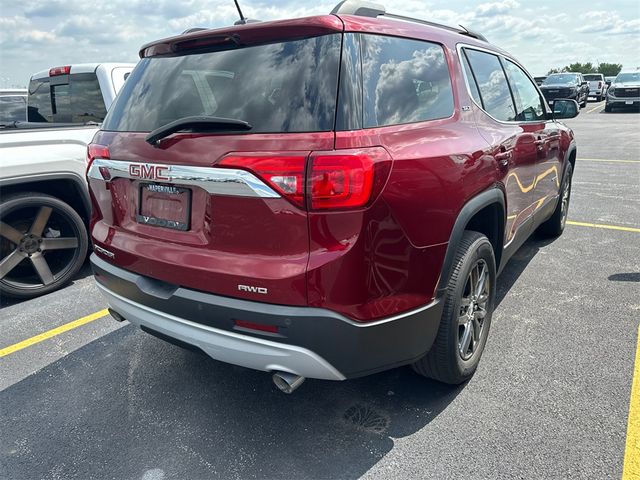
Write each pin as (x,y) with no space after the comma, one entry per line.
(606,160)
(52,333)
(631,469)
(599,225)
(600,105)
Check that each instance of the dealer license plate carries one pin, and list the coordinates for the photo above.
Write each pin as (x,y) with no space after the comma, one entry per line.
(165,206)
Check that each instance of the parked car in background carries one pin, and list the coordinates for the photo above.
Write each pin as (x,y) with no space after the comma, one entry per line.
(597,85)
(624,91)
(13,105)
(566,85)
(75,93)
(540,80)
(44,202)
(287,210)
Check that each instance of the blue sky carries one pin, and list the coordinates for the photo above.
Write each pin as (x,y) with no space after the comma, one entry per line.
(35,35)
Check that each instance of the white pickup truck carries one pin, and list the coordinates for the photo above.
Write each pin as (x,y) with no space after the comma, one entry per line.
(44,204)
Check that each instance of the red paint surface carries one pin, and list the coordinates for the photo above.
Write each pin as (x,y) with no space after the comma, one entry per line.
(368,263)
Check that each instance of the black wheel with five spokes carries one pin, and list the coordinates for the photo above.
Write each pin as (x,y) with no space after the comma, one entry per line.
(43,243)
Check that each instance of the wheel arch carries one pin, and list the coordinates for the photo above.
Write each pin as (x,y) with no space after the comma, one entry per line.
(68,187)
(484,213)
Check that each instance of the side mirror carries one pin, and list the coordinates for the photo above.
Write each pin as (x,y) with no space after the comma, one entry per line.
(585,83)
(565,108)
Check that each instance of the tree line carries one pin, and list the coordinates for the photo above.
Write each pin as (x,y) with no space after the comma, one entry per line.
(607,69)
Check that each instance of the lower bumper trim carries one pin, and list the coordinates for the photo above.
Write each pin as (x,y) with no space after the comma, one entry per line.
(230,347)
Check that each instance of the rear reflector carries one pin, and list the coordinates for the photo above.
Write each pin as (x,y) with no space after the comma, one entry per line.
(60,71)
(285,174)
(256,326)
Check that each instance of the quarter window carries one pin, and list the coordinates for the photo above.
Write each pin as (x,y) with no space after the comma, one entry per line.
(528,104)
(473,86)
(404,81)
(492,84)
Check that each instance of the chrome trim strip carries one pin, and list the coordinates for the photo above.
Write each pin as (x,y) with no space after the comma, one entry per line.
(230,347)
(221,181)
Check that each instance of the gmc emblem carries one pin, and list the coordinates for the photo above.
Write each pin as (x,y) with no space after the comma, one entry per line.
(148,172)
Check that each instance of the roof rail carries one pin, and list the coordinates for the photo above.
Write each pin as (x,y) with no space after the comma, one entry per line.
(374,10)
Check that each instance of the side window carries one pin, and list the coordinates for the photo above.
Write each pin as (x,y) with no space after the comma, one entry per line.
(492,84)
(404,81)
(471,82)
(39,101)
(528,103)
(12,108)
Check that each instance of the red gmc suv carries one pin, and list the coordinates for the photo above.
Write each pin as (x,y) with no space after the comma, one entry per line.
(324,197)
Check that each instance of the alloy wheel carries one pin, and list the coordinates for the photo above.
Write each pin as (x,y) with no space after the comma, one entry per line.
(38,246)
(473,309)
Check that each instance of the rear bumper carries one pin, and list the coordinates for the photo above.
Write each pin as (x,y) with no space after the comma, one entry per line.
(311,342)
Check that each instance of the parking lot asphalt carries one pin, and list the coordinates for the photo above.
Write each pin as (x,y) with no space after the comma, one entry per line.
(550,399)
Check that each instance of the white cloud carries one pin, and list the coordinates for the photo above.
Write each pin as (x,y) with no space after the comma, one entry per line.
(608,23)
(496,8)
(37,35)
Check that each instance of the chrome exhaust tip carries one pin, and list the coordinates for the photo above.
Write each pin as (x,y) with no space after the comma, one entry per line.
(116,316)
(287,382)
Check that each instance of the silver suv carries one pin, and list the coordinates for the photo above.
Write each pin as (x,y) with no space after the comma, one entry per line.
(597,85)
(624,91)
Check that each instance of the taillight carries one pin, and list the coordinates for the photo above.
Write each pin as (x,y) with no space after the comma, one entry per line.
(60,71)
(95,150)
(334,180)
(285,174)
(599,84)
(345,179)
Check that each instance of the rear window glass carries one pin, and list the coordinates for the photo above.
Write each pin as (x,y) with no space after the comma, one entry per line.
(279,87)
(592,77)
(75,98)
(404,81)
(13,108)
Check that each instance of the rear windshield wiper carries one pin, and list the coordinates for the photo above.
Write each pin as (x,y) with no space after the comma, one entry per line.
(196,124)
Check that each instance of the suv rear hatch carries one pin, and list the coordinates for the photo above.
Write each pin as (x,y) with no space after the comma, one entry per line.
(210,204)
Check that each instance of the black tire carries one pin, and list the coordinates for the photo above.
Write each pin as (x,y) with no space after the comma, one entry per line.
(599,98)
(556,223)
(43,244)
(584,103)
(445,361)
(607,108)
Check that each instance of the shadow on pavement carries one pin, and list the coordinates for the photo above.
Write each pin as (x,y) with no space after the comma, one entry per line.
(518,263)
(131,406)
(128,404)
(84,272)
(625,277)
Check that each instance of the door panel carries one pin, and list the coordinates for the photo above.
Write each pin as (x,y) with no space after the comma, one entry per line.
(532,117)
(513,145)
